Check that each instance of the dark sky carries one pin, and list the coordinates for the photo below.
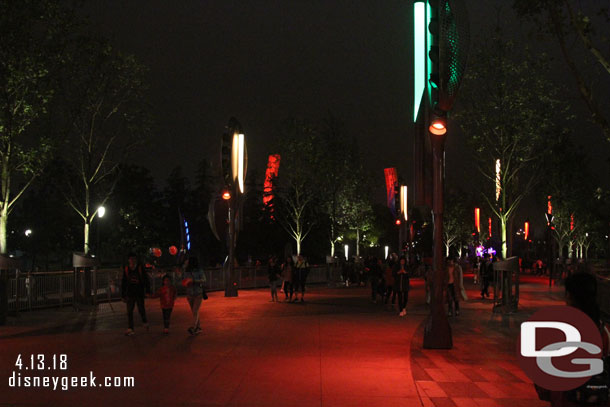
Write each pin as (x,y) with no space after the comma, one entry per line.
(266,60)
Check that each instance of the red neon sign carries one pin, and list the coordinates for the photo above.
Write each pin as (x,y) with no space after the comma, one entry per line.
(391,179)
(489,224)
(273,169)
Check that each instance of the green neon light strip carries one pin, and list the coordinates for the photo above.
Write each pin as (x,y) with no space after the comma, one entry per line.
(419,55)
(427,52)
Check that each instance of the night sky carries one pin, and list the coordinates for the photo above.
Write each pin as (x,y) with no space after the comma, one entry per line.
(263,61)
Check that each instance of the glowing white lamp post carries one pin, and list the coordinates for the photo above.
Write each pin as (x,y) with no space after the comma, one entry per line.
(346,252)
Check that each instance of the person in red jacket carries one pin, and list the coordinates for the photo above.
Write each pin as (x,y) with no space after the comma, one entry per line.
(167,295)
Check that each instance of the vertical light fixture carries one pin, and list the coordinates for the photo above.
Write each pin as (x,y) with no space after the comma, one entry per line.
(346,252)
(498,183)
(403,202)
(419,55)
(387,251)
(526,230)
(489,226)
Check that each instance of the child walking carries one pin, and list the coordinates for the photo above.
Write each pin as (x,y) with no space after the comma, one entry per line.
(167,296)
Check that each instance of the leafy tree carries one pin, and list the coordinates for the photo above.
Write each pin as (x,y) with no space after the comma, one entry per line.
(509,112)
(456,223)
(569,23)
(297,182)
(32,34)
(108,118)
(355,206)
(336,160)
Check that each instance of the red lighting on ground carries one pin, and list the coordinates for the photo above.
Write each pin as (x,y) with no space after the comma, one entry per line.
(226,195)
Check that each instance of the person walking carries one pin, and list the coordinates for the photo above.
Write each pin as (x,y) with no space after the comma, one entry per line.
(389,284)
(135,286)
(376,276)
(486,273)
(455,286)
(287,276)
(193,280)
(167,296)
(299,277)
(402,284)
(581,293)
(274,271)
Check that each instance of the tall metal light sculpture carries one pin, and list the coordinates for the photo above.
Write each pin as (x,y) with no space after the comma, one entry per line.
(234,164)
(440,49)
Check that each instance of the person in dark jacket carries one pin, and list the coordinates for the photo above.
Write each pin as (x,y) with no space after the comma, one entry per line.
(275,272)
(401,284)
(376,276)
(134,288)
(486,275)
(287,276)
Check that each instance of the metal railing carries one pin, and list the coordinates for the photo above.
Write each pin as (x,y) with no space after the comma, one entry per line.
(28,291)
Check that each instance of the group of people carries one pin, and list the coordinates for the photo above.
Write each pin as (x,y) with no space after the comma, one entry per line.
(291,277)
(135,288)
(390,280)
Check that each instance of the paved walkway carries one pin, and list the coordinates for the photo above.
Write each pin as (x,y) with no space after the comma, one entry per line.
(337,349)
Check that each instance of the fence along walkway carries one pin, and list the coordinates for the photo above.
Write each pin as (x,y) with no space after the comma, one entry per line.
(29,291)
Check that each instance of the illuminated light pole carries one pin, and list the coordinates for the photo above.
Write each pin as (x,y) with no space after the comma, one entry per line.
(234,190)
(549,239)
(346,247)
(498,180)
(101,211)
(526,230)
(440,50)
(387,251)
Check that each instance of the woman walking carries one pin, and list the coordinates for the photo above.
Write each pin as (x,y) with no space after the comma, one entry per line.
(402,285)
(193,280)
(274,272)
(287,275)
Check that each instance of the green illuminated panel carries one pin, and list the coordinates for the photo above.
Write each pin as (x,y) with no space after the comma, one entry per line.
(419,55)
(428,45)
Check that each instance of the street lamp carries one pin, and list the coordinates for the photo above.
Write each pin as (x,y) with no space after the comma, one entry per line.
(387,251)
(101,211)
(346,252)
(28,233)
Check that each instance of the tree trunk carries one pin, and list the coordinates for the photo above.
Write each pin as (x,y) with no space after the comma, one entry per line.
(357,242)
(86,237)
(298,240)
(3,226)
(332,248)
(503,227)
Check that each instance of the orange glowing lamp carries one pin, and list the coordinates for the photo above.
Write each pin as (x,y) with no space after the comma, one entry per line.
(226,195)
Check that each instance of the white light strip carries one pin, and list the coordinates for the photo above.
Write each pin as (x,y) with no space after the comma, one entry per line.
(240,173)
